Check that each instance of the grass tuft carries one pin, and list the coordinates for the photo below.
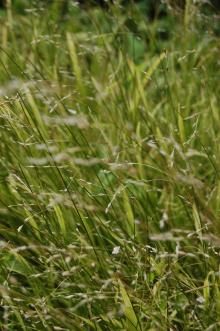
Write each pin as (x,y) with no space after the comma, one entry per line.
(109,168)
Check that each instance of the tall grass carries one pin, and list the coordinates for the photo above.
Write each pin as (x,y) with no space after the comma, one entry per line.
(109,170)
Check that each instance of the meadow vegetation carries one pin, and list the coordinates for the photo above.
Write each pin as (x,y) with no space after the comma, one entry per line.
(109,168)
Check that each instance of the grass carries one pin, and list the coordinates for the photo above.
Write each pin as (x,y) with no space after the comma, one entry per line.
(109,170)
